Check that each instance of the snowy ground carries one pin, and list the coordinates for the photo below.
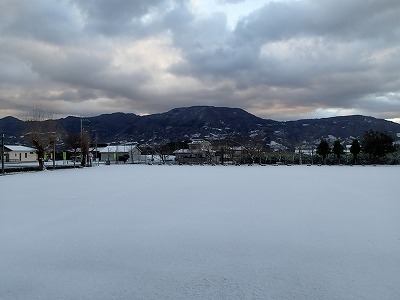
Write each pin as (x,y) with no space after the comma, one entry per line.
(193,232)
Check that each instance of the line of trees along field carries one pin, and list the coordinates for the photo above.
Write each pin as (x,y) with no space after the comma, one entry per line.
(375,148)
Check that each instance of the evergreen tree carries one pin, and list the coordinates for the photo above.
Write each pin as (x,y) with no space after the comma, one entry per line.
(323,150)
(377,144)
(338,149)
(355,150)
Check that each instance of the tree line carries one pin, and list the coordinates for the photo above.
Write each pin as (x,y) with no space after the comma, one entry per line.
(374,144)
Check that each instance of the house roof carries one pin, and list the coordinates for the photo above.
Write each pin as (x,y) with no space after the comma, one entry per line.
(199,141)
(189,151)
(118,148)
(18,148)
(182,151)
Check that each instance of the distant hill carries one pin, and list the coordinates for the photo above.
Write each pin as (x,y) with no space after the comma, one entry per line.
(107,127)
(214,123)
(11,127)
(346,127)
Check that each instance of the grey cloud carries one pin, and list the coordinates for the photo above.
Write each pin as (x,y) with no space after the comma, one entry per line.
(116,9)
(79,74)
(341,20)
(205,44)
(120,17)
(41,20)
(344,37)
(178,19)
(231,1)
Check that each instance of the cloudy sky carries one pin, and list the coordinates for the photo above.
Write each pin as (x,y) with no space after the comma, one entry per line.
(282,60)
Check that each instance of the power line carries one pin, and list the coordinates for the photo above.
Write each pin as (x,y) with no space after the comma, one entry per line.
(35,112)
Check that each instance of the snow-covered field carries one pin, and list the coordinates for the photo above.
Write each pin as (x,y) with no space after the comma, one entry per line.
(194,232)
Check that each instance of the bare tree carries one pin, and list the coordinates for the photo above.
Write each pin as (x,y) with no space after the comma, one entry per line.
(42,134)
(161,151)
(85,144)
(74,141)
(253,149)
(164,151)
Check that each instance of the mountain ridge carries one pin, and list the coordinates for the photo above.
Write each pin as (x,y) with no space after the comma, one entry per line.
(208,122)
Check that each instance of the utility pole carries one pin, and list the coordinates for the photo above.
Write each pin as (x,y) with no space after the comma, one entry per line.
(83,162)
(2,154)
(300,160)
(96,151)
(81,142)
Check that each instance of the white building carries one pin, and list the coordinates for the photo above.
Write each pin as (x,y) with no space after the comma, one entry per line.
(199,152)
(114,153)
(15,153)
(305,151)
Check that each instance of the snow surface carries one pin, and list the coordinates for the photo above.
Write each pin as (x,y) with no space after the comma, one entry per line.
(196,232)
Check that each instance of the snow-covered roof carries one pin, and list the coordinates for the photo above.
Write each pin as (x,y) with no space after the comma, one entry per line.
(157,158)
(118,148)
(199,141)
(194,151)
(181,151)
(18,148)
